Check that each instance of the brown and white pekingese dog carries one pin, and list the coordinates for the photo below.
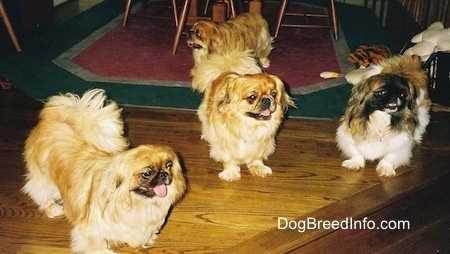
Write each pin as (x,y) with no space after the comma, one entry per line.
(79,165)
(245,32)
(240,116)
(386,116)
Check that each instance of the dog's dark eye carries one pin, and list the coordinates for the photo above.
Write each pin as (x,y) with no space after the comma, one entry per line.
(402,95)
(198,35)
(169,164)
(381,93)
(274,94)
(146,175)
(251,98)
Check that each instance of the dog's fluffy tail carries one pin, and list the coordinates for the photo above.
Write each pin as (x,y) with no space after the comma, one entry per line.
(91,117)
(206,71)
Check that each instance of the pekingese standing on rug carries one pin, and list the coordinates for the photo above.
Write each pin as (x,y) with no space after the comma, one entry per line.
(79,165)
(240,116)
(245,32)
(386,116)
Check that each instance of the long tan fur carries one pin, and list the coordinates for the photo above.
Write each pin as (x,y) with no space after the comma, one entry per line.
(79,165)
(240,116)
(243,33)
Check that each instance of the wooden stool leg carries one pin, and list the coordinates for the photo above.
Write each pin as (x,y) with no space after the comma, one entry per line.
(284,4)
(126,13)
(175,12)
(9,27)
(206,7)
(233,8)
(255,6)
(219,11)
(332,16)
(181,25)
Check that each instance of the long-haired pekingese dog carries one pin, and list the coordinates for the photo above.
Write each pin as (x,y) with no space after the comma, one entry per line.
(240,116)
(386,116)
(245,32)
(79,165)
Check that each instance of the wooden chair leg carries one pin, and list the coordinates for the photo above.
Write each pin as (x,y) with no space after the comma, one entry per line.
(9,27)
(175,12)
(281,13)
(181,25)
(332,16)
(126,13)
(233,8)
(206,7)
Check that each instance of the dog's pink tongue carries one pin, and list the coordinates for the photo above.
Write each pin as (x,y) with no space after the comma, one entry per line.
(160,190)
(266,112)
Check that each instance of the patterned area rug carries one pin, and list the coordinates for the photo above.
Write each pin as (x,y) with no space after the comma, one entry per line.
(140,53)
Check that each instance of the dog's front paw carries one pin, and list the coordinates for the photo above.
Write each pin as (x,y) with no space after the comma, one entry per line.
(230,173)
(150,241)
(385,168)
(354,163)
(53,209)
(259,169)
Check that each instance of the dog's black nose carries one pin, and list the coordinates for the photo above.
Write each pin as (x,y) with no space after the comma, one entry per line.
(162,176)
(265,102)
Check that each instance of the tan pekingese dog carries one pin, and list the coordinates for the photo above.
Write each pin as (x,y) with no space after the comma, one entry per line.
(386,116)
(79,165)
(240,116)
(245,32)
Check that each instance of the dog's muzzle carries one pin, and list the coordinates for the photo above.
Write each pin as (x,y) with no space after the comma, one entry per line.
(393,106)
(265,111)
(190,42)
(156,187)
(193,45)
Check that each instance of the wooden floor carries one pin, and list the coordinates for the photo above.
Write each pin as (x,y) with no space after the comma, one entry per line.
(242,217)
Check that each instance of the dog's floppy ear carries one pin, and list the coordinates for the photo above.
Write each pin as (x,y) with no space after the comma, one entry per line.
(284,99)
(224,86)
(113,185)
(411,96)
(417,87)
(212,36)
(361,91)
(356,103)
